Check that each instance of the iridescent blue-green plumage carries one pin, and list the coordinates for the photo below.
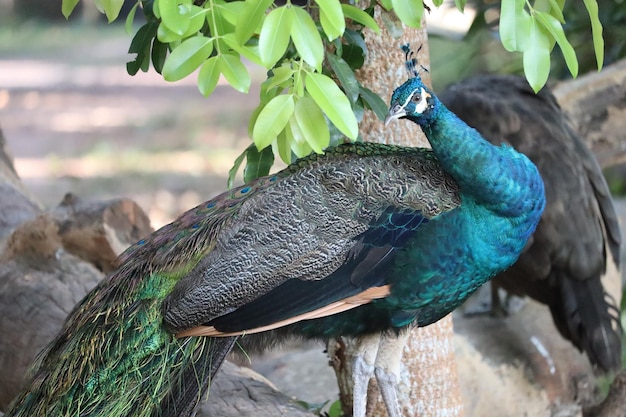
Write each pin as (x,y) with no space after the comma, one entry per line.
(578,236)
(364,238)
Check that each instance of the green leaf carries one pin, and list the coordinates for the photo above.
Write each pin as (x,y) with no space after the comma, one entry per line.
(353,56)
(130,19)
(99,5)
(196,16)
(281,76)
(230,12)
(255,115)
(232,173)
(556,10)
(355,49)
(331,18)
(167,36)
(258,163)
(188,56)
(140,45)
(359,110)
(272,119)
(174,14)
(409,11)
(274,37)
(294,136)
(235,72)
(386,4)
(596,31)
(250,52)
(284,147)
(437,3)
(159,53)
(553,26)
(460,4)
(155,8)
(358,15)
(67,7)
(374,102)
(514,25)
(333,103)
(218,25)
(312,124)
(250,18)
(541,6)
(112,8)
(266,94)
(209,75)
(345,75)
(306,38)
(537,56)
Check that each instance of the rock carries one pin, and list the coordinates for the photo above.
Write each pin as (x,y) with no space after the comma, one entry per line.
(241,392)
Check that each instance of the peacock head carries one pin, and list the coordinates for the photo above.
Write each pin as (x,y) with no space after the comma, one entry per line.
(413,101)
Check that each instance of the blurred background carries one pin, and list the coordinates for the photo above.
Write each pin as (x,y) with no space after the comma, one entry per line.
(76,121)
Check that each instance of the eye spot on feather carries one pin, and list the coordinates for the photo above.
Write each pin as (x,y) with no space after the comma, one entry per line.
(242,192)
(211,204)
(141,242)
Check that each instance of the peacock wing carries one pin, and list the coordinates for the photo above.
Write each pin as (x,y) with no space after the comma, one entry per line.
(325,228)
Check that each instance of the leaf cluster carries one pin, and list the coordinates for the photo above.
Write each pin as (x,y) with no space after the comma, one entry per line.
(311,97)
(533,28)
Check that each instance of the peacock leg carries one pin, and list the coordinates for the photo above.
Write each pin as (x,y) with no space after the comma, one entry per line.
(363,370)
(387,369)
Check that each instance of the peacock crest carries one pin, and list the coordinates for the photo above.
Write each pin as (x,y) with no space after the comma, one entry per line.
(411,64)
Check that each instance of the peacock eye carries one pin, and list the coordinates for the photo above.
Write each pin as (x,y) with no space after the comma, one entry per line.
(416,98)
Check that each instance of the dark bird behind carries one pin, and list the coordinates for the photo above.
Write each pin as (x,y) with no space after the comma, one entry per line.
(578,235)
(361,239)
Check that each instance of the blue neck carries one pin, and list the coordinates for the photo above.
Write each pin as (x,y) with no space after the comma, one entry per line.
(498,178)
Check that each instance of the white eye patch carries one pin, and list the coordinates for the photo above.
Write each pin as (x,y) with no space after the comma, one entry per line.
(423,104)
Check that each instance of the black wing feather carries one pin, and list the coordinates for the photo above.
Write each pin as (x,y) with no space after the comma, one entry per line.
(367,265)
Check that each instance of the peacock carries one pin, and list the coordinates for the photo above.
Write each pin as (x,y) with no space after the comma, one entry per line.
(363,238)
(578,235)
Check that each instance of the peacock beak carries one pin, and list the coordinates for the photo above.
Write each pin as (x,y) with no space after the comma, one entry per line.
(395,112)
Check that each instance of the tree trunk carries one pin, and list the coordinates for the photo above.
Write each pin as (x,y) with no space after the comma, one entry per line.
(429,381)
